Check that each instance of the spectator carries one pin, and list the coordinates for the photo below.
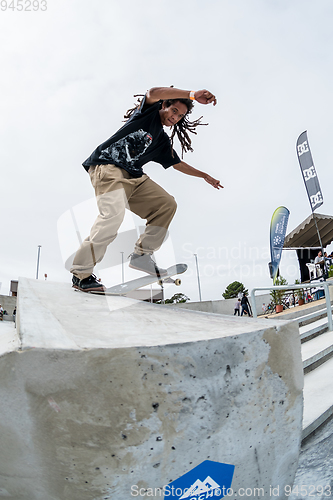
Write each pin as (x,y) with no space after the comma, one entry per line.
(320,260)
(237,307)
(1,313)
(327,260)
(245,305)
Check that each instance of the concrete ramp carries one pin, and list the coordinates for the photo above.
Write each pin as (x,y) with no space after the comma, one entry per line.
(113,398)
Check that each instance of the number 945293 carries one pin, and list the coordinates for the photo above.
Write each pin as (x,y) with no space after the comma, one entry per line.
(24,5)
(309,491)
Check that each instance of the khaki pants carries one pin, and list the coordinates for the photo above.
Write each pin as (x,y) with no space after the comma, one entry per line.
(116,190)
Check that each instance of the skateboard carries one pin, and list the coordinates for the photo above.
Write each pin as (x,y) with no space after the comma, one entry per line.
(129,286)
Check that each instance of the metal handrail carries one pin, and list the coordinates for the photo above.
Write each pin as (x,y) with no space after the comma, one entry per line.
(322,284)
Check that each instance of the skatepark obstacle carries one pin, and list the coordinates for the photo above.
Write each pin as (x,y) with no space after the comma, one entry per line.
(99,394)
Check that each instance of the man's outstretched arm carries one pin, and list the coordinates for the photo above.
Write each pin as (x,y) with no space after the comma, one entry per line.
(187,169)
(162,93)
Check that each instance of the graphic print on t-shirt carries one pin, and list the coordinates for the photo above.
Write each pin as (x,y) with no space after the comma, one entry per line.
(128,150)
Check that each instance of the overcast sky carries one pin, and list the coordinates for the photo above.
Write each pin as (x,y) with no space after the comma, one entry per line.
(69,73)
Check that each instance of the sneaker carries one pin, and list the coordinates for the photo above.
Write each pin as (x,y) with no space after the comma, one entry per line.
(146,264)
(90,284)
(75,282)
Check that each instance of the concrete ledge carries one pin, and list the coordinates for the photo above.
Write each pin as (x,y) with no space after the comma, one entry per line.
(9,339)
(308,334)
(7,317)
(318,397)
(311,428)
(322,355)
(311,318)
(109,393)
(299,311)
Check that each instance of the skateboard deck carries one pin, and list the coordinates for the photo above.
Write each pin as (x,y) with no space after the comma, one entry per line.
(129,286)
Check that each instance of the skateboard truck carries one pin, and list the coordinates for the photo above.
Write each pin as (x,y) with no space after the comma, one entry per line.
(161,282)
(176,282)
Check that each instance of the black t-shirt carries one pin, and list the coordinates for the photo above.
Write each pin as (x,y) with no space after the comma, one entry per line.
(140,140)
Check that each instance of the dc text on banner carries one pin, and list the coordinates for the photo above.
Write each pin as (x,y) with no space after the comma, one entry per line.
(309,172)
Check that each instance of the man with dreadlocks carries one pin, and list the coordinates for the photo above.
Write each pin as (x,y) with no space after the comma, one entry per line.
(115,170)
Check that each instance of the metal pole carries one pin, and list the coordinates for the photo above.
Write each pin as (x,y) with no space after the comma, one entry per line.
(328,306)
(196,260)
(39,247)
(322,250)
(253,300)
(122,266)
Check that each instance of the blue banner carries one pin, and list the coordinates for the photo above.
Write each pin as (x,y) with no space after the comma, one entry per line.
(278,230)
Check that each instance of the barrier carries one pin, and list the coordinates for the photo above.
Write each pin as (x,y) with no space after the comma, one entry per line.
(323,284)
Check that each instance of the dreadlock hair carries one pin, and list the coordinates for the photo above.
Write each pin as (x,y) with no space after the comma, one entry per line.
(181,128)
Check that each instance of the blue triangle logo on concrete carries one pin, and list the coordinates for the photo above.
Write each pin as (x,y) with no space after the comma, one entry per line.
(209,480)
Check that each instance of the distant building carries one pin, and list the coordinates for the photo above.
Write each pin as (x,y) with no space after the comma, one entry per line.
(13,288)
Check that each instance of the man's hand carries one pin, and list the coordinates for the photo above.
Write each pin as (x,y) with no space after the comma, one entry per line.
(205,97)
(213,182)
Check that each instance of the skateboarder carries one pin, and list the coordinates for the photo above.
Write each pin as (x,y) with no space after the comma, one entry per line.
(115,169)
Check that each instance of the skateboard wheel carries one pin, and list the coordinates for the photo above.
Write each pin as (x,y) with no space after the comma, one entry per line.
(178,282)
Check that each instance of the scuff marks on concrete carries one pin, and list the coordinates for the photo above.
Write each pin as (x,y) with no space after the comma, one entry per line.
(54,405)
